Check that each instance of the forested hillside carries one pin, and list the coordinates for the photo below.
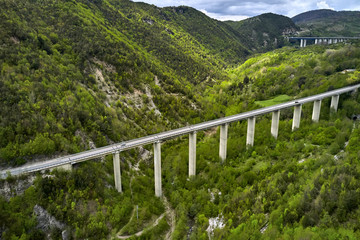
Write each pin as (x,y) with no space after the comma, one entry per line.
(329,23)
(77,75)
(266,31)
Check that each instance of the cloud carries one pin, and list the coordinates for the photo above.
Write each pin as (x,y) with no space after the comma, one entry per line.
(224,17)
(323,5)
(241,9)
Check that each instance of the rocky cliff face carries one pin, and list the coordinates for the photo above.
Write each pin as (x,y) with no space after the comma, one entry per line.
(48,223)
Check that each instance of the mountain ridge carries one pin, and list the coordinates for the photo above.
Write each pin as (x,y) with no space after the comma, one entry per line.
(329,23)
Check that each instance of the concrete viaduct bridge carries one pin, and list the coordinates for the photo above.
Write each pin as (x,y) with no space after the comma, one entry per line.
(156,139)
(321,40)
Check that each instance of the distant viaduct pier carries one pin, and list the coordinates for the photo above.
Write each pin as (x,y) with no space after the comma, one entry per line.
(320,40)
(156,139)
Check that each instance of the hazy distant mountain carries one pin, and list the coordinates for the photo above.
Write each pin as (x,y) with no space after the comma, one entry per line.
(327,22)
(314,15)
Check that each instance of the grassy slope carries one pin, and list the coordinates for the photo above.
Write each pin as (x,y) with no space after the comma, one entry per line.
(276,100)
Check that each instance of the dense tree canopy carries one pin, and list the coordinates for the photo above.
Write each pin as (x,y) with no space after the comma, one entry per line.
(82,74)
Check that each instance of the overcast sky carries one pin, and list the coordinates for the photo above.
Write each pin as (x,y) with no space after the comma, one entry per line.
(241,9)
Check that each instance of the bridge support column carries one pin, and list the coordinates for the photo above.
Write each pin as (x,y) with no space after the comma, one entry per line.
(117,171)
(223,141)
(275,123)
(297,116)
(334,102)
(192,154)
(301,43)
(316,111)
(330,41)
(316,41)
(157,168)
(250,131)
(304,45)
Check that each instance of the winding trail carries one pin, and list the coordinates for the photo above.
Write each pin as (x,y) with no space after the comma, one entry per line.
(170,215)
(156,222)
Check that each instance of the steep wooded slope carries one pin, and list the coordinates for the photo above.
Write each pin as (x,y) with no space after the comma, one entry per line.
(77,72)
(266,31)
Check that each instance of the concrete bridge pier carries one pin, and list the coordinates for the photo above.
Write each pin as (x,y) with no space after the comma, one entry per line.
(157,168)
(316,41)
(302,43)
(223,141)
(334,102)
(192,154)
(250,131)
(297,116)
(316,111)
(117,171)
(330,41)
(275,123)
(335,40)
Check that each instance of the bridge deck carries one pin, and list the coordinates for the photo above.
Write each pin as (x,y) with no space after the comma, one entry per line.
(122,146)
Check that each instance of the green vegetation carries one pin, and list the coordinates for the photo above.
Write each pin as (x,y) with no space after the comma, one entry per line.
(275,100)
(82,74)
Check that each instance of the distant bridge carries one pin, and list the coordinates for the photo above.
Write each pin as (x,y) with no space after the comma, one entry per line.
(156,139)
(321,40)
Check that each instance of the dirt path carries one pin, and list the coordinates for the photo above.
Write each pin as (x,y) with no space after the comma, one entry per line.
(170,213)
(132,215)
(141,232)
